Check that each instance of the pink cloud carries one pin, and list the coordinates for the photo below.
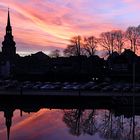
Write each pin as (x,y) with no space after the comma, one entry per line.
(46,23)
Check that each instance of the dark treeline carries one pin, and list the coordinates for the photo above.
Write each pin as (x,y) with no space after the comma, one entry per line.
(81,68)
(42,67)
(111,41)
(80,62)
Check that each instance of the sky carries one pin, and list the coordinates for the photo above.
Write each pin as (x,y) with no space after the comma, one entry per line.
(45,25)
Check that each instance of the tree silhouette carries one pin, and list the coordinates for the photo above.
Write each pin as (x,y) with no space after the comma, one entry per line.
(80,121)
(107,41)
(132,34)
(55,53)
(90,124)
(119,40)
(73,120)
(90,45)
(74,49)
(106,125)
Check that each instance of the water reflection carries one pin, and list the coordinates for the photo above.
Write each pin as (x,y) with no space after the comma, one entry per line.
(103,122)
(77,123)
(8,114)
(80,121)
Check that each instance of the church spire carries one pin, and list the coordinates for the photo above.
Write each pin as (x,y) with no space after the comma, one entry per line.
(8,27)
(8,20)
(8,45)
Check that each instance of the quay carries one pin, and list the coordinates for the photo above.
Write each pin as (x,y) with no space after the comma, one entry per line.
(33,101)
(73,98)
(72,93)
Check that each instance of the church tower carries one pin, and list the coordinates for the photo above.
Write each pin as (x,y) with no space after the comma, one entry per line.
(8,45)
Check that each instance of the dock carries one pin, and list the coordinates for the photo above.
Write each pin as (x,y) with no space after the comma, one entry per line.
(77,98)
(73,93)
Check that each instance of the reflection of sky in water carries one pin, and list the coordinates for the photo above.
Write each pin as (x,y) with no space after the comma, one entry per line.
(50,124)
(44,124)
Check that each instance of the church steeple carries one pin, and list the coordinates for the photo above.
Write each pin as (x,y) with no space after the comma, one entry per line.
(8,27)
(8,45)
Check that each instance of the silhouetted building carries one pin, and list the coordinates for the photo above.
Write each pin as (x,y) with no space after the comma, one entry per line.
(8,45)
(120,66)
(8,55)
(5,69)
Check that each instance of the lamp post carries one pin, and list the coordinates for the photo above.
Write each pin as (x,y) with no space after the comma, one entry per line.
(133,100)
(79,59)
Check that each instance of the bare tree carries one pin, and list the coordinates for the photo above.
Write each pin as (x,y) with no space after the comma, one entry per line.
(138,40)
(55,53)
(80,121)
(73,120)
(90,123)
(107,40)
(132,34)
(90,45)
(74,49)
(119,40)
(70,51)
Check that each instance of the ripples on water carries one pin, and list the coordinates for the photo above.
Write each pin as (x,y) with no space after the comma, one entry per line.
(73,124)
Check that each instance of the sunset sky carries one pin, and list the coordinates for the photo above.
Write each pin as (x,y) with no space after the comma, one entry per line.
(44,25)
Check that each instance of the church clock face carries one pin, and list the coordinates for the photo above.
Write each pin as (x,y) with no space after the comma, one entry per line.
(8,32)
